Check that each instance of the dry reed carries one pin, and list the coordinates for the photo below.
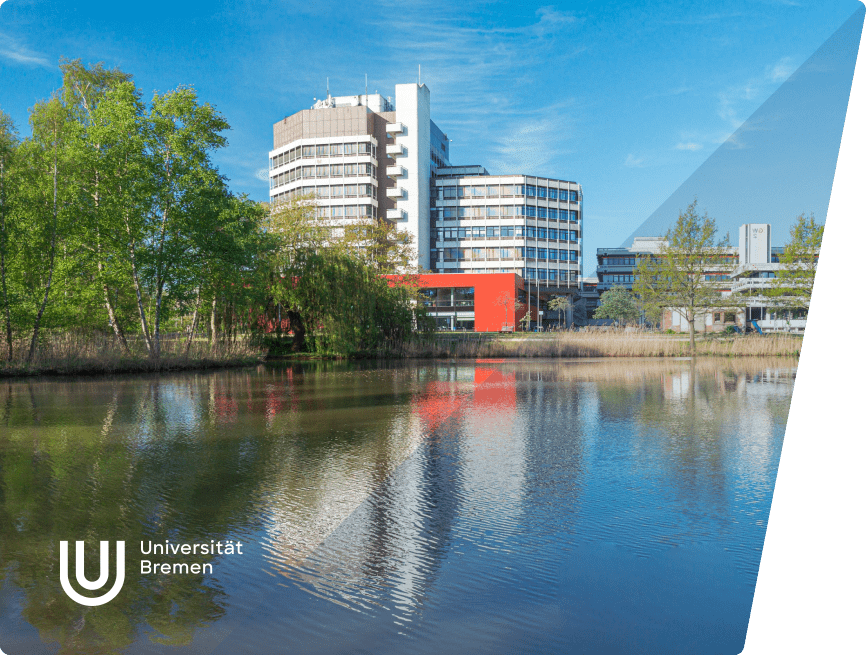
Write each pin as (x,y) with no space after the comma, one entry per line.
(73,353)
(595,344)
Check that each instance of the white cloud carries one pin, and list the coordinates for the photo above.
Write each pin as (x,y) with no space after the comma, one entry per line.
(689,146)
(634,162)
(12,50)
(781,70)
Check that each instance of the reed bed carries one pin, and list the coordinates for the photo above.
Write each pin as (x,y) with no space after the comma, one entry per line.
(71,353)
(594,344)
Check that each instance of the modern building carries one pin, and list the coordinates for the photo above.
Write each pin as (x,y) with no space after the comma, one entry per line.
(370,156)
(475,302)
(363,156)
(757,264)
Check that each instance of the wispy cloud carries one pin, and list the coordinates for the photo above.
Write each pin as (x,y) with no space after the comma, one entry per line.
(635,162)
(689,146)
(733,101)
(13,50)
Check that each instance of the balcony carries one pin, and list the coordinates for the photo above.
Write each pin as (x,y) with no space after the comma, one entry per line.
(395,128)
(395,150)
(395,192)
(396,214)
(396,171)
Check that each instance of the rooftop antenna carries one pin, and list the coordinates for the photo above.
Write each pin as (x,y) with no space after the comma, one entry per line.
(328,93)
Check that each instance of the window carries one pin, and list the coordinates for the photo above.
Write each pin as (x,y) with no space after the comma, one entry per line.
(506,253)
(491,231)
(364,148)
(541,253)
(492,211)
(450,213)
(351,169)
(507,231)
(477,253)
(351,210)
(553,275)
(562,276)
(322,151)
(574,236)
(337,211)
(463,212)
(322,171)
(574,216)
(336,170)
(450,192)
(531,231)
(531,191)
(463,232)
(531,252)
(562,214)
(494,192)
(542,233)
(450,233)
(574,255)
(530,273)
(307,151)
(477,191)
(574,196)
(478,232)
(491,253)
(351,190)
(322,192)
(562,195)
(519,230)
(507,210)
(542,192)
(337,191)
(541,212)
(349,148)
(562,235)
(553,194)
(530,212)
(562,255)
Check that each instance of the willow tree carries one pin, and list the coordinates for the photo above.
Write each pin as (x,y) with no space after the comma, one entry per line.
(685,275)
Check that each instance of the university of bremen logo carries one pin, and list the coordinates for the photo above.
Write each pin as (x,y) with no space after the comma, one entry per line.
(83,581)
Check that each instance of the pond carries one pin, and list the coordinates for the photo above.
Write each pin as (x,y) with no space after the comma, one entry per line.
(490,506)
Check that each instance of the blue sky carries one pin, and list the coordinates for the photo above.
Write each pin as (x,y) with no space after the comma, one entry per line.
(628,99)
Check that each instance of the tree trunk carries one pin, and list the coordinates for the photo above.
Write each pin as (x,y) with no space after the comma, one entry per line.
(52,250)
(194,324)
(691,328)
(213,337)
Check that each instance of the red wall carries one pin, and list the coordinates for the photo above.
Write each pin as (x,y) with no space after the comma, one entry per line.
(487,288)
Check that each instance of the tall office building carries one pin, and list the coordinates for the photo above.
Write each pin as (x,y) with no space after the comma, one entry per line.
(371,156)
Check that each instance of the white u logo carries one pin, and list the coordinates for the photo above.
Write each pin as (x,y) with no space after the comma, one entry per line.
(83,581)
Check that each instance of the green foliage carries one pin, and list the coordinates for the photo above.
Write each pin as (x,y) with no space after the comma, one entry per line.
(559,304)
(619,304)
(794,281)
(682,277)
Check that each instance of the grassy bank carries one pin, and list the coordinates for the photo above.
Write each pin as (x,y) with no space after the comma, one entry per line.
(595,344)
(76,354)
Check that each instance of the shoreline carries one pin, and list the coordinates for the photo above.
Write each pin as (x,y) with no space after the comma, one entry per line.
(575,345)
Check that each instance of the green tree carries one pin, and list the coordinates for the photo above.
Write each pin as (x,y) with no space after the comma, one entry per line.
(8,147)
(794,282)
(619,304)
(685,276)
(560,304)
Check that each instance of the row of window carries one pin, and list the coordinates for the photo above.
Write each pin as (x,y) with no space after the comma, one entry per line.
(504,191)
(495,211)
(326,150)
(617,279)
(617,261)
(345,211)
(505,232)
(551,275)
(337,191)
(325,170)
(471,254)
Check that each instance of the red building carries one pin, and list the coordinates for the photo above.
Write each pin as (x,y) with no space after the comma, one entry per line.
(482,302)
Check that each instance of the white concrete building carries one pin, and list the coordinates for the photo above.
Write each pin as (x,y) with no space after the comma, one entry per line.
(369,156)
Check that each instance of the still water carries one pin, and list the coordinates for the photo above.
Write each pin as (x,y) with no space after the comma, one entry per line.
(473,507)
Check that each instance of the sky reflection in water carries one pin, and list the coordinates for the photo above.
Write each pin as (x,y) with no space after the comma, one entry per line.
(563,506)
